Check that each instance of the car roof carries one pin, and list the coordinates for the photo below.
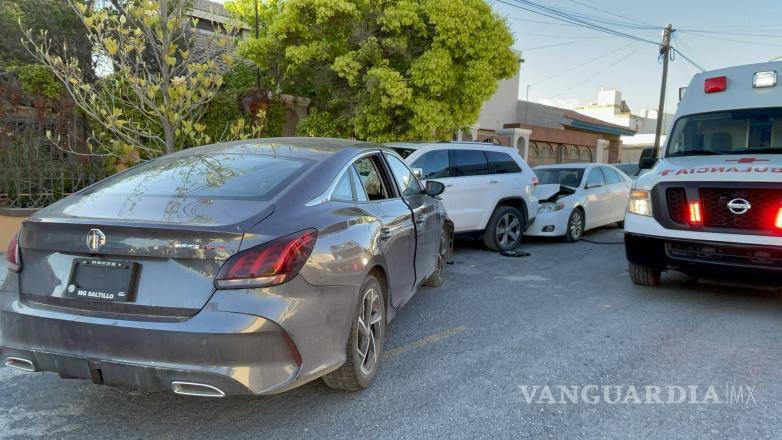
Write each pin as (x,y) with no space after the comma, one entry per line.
(446,144)
(311,148)
(577,165)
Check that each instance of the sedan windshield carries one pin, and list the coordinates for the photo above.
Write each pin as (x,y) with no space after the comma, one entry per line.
(563,176)
(733,132)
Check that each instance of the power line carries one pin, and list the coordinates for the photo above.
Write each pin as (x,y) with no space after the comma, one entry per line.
(681,42)
(567,43)
(740,34)
(593,7)
(590,61)
(734,40)
(603,70)
(568,17)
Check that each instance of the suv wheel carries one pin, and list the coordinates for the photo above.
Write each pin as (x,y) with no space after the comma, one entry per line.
(644,276)
(504,230)
(365,344)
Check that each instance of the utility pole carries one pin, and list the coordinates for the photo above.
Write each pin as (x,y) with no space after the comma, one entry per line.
(665,50)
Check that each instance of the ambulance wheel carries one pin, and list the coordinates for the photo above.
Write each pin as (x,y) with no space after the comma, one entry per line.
(644,276)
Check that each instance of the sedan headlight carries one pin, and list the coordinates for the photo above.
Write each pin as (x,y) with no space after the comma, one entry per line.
(550,207)
(640,202)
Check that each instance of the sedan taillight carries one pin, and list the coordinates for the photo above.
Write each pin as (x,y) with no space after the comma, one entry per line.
(12,255)
(268,264)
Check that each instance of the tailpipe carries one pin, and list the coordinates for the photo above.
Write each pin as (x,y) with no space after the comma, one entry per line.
(20,364)
(196,389)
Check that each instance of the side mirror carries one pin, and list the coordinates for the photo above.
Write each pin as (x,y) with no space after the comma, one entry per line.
(648,159)
(418,173)
(647,163)
(434,188)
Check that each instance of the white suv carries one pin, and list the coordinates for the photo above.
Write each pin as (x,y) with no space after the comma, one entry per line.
(489,188)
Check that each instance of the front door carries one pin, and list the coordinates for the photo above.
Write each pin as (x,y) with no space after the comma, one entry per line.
(598,199)
(395,231)
(428,223)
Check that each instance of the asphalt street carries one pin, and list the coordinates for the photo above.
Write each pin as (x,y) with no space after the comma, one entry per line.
(460,358)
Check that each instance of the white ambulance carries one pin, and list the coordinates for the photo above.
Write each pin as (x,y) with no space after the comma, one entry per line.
(713,200)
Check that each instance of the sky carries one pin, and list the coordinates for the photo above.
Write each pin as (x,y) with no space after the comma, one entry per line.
(713,33)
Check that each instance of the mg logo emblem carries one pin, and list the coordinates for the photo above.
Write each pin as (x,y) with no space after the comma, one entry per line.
(739,206)
(95,239)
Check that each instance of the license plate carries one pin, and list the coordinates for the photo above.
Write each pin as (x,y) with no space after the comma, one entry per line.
(102,280)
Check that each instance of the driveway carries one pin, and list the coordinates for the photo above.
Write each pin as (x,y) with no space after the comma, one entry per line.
(463,360)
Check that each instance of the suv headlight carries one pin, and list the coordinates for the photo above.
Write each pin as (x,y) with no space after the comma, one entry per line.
(640,202)
(550,207)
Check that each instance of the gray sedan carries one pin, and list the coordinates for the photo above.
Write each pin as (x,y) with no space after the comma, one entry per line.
(249,267)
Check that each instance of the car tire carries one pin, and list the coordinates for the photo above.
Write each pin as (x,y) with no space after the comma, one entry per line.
(644,276)
(575,226)
(501,228)
(358,371)
(437,278)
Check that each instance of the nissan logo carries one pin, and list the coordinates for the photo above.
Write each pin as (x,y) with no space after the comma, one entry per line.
(95,239)
(739,206)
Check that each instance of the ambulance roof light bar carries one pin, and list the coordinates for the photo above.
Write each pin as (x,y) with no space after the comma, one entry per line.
(764,79)
(716,84)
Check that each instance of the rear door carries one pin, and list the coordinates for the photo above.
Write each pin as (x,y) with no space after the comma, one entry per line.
(471,194)
(394,231)
(428,224)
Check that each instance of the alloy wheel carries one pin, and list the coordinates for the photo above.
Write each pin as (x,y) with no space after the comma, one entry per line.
(576,224)
(508,230)
(370,328)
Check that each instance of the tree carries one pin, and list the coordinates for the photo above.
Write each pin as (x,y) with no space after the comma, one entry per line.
(63,26)
(383,70)
(154,98)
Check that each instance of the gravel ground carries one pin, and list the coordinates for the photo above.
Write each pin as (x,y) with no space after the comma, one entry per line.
(461,357)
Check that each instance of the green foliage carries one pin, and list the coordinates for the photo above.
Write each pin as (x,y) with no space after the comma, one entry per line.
(223,113)
(150,105)
(38,79)
(56,17)
(388,70)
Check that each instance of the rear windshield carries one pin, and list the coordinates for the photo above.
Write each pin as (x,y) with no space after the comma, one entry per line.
(733,132)
(230,176)
(563,176)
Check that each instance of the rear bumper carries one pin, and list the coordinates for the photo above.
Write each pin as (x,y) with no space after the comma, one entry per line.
(663,253)
(242,342)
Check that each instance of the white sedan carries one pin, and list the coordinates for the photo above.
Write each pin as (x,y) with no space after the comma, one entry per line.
(578,197)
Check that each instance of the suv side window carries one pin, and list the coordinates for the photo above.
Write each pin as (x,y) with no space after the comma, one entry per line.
(469,163)
(434,164)
(502,163)
(595,178)
(405,179)
(371,179)
(610,175)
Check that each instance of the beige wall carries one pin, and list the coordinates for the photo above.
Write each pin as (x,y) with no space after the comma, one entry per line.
(8,227)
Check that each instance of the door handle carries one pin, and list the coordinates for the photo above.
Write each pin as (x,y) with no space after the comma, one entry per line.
(449,185)
(494,181)
(385,234)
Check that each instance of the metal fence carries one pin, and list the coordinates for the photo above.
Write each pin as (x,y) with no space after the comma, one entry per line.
(547,153)
(34,172)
